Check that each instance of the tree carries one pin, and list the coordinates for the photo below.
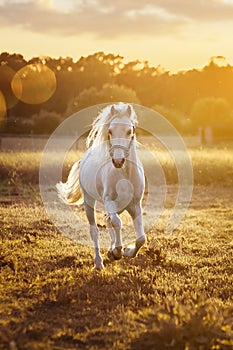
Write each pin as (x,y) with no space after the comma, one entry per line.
(174,117)
(45,122)
(210,112)
(108,93)
(93,70)
(145,80)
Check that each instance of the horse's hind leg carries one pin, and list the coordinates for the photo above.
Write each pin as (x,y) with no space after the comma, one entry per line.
(136,214)
(98,261)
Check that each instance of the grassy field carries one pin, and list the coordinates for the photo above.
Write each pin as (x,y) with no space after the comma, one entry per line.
(176,294)
(211,166)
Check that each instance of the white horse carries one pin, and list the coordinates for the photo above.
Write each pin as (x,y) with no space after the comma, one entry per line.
(110,172)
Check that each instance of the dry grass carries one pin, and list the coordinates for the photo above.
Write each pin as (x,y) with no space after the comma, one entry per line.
(211,166)
(176,294)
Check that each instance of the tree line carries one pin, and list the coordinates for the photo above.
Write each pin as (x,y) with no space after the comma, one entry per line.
(188,99)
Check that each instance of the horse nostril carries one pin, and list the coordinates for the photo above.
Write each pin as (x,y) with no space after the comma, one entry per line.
(118,162)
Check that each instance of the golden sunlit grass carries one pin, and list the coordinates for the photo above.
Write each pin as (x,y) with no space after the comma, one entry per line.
(176,294)
(213,166)
(210,165)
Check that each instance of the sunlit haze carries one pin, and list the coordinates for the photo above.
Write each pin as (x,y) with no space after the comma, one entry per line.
(178,35)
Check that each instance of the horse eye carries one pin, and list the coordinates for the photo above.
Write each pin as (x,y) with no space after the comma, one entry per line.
(109,132)
(128,132)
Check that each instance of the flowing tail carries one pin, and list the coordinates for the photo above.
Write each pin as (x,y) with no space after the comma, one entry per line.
(70,191)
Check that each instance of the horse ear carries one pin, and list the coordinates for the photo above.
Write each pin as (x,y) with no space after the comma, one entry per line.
(129,111)
(113,110)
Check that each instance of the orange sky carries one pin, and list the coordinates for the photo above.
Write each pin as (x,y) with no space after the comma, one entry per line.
(178,35)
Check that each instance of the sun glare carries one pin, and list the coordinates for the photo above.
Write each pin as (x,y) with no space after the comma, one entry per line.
(2,109)
(34,83)
(6,74)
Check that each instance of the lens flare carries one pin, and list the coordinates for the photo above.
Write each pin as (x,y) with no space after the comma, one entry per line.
(6,76)
(2,110)
(34,83)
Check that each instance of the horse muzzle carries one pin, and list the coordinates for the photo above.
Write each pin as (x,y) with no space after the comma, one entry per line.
(118,162)
(119,153)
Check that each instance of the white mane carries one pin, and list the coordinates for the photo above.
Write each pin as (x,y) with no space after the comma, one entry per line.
(99,132)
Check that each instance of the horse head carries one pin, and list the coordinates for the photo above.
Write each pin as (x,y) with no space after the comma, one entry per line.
(121,133)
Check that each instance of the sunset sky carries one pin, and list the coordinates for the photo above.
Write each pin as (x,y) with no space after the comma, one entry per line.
(177,34)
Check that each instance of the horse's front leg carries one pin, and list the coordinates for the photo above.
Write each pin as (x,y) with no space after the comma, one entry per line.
(136,214)
(98,261)
(114,225)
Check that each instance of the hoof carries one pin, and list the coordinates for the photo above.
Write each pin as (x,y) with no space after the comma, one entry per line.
(140,242)
(110,255)
(132,250)
(98,263)
(115,254)
(129,252)
(98,267)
